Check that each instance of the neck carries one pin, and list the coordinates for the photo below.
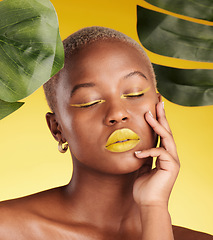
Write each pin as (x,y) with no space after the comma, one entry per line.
(102,199)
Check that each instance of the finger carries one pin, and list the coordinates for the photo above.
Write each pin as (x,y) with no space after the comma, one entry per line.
(153,152)
(161,117)
(165,161)
(161,131)
(167,140)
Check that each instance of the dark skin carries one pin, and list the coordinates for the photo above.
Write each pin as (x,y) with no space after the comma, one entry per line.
(111,195)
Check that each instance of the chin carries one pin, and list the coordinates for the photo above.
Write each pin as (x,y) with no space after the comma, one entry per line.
(125,163)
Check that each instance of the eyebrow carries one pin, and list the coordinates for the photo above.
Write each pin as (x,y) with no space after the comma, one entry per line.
(81,85)
(135,73)
(91,84)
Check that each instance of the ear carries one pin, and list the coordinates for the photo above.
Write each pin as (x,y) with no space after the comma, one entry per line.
(54,127)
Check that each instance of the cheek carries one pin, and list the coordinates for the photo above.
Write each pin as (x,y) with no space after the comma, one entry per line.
(76,134)
(148,136)
(140,107)
(81,134)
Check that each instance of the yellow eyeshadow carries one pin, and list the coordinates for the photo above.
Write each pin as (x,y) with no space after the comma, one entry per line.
(135,94)
(87,104)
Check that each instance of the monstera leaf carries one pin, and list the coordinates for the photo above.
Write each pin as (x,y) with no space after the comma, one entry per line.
(196,8)
(177,38)
(7,108)
(31,49)
(173,37)
(188,87)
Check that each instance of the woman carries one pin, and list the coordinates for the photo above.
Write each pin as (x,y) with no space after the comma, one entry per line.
(105,106)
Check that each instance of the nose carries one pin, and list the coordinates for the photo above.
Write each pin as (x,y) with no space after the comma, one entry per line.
(116,114)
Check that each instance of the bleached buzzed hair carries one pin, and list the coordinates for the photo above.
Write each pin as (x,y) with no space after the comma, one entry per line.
(81,39)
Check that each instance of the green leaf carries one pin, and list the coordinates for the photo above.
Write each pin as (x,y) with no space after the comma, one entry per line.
(30,47)
(187,87)
(173,37)
(7,108)
(202,9)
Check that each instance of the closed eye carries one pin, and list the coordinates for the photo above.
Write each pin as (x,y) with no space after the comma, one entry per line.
(135,94)
(89,104)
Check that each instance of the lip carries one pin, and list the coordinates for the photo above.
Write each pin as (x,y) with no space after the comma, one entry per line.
(122,140)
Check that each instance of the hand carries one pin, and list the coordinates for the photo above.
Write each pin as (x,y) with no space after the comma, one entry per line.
(153,186)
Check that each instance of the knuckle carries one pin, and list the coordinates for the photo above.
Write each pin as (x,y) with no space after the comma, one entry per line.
(155,125)
(177,163)
(169,137)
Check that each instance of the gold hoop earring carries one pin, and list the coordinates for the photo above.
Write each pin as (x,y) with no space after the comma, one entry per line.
(61,148)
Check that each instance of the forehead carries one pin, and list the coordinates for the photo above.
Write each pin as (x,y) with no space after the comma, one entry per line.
(109,58)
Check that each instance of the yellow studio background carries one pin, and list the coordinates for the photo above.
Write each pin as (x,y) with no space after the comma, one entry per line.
(30,161)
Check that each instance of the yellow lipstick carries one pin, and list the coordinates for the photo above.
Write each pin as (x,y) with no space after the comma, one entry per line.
(122,140)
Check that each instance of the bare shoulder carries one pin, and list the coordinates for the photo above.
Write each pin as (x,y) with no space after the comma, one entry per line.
(19,217)
(181,233)
(13,215)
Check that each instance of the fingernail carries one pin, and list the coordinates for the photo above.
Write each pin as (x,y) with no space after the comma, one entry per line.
(163,104)
(137,152)
(150,114)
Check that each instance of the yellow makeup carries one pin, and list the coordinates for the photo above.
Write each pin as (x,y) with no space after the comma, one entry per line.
(88,104)
(122,140)
(135,94)
(125,95)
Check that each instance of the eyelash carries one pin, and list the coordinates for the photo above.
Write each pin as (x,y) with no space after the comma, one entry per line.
(89,104)
(129,95)
(137,94)
(132,95)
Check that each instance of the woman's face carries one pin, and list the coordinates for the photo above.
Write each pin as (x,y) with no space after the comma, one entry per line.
(102,90)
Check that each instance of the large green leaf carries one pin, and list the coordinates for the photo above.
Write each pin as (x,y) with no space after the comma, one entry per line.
(7,108)
(30,47)
(202,9)
(187,87)
(170,36)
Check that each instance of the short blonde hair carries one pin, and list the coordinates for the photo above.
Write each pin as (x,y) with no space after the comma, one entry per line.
(81,39)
